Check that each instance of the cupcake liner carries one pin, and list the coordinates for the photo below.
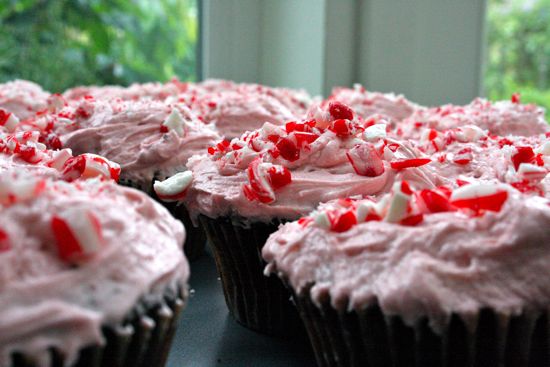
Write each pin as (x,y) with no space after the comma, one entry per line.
(140,341)
(370,338)
(257,302)
(195,237)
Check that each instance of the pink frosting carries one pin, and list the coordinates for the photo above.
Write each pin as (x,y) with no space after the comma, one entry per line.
(322,172)
(136,91)
(23,98)
(366,103)
(47,302)
(130,133)
(449,263)
(499,118)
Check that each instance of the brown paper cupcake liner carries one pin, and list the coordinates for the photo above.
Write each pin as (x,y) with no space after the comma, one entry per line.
(370,338)
(258,302)
(195,241)
(143,340)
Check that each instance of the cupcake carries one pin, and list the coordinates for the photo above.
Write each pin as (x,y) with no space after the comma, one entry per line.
(91,273)
(367,104)
(500,118)
(150,140)
(236,108)
(22,98)
(242,190)
(426,278)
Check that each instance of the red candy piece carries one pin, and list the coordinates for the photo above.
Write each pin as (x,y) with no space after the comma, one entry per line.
(342,128)
(464,156)
(366,160)
(90,165)
(493,202)
(412,220)
(343,222)
(339,110)
(434,201)
(409,163)
(515,98)
(288,149)
(279,176)
(523,155)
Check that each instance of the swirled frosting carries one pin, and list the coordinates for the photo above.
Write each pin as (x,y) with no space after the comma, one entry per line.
(499,118)
(286,171)
(450,262)
(367,104)
(48,301)
(147,138)
(23,98)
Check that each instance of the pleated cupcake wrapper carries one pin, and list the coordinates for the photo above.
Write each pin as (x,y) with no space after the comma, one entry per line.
(370,338)
(195,237)
(142,341)
(258,302)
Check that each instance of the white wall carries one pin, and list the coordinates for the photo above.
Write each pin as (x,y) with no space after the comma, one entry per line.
(430,50)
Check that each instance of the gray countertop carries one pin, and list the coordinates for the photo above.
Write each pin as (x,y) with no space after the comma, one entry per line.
(208,336)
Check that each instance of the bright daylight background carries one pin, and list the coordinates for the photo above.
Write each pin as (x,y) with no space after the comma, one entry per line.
(63,43)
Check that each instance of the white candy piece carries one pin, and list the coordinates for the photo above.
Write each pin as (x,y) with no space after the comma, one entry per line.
(173,186)
(475,190)
(364,208)
(375,132)
(95,166)
(322,220)
(60,157)
(11,122)
(532,172)
(399,203)
(543,149)
(469,133)
(175,122)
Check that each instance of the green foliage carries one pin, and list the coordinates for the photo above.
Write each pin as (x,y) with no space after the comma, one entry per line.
(63,43)
(519,50)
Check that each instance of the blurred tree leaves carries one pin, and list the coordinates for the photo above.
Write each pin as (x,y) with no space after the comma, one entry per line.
(519,50)
(63,43)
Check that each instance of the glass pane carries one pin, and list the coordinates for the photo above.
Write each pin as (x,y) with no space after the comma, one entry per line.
(518,57)
(60,44)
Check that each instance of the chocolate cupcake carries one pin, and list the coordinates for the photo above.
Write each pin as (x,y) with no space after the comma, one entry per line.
(92,274)
(150,140)
(244,189)
(422,278)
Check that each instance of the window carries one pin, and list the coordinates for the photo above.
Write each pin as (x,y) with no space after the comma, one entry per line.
(518,53)
(60,44)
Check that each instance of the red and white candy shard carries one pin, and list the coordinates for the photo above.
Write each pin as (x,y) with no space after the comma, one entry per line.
(479,197)
(365,160)
(89,165)
(15,189)
(78,234)
(8,120)
(469,133)
(543,149)
(175,187)
(59,158)
(375,132)
(399,203)
(175,122)
(322,220)
(264,179)
(365,210)
(532,172)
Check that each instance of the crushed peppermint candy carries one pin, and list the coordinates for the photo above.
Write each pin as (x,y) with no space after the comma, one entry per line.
(19,188)
(78,235)
(89,165)
(8,120)
(173,188)
(264,179)
(407,207)
(175,122)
